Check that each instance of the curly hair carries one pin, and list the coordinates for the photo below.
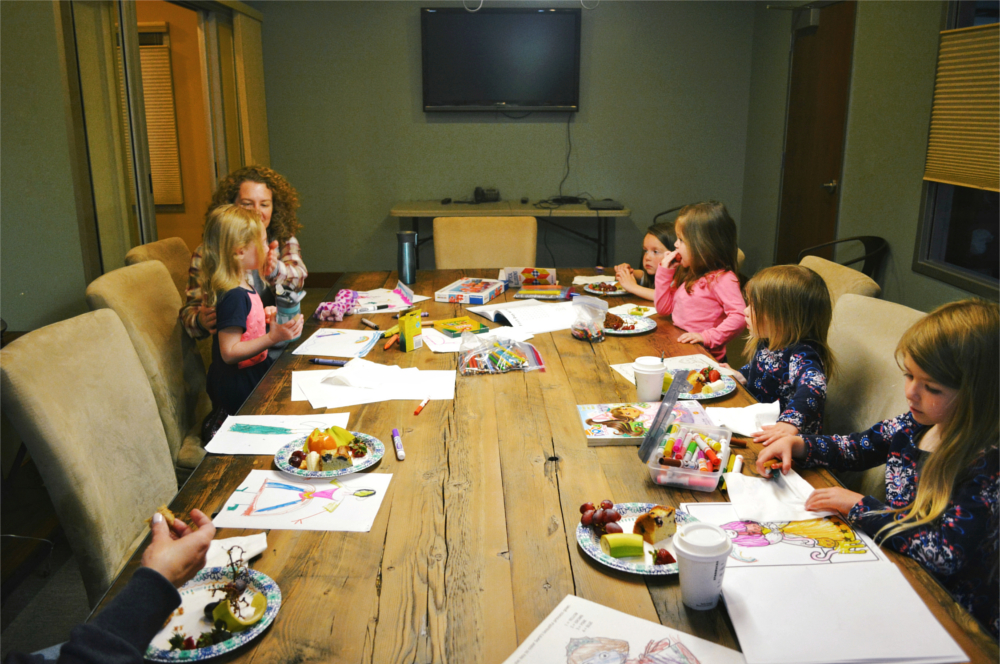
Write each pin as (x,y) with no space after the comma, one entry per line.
(284,222)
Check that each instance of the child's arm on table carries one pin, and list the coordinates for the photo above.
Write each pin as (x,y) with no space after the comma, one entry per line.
(233,350)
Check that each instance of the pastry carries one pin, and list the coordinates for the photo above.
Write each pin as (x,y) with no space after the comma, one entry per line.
(613,322)
(338,459)
(656,525)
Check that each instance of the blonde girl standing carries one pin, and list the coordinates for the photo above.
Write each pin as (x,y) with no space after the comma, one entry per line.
(788,360)
(942,469)
(697,283)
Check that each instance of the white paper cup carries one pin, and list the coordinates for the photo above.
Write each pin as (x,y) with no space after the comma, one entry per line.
(649,372)
(702,550)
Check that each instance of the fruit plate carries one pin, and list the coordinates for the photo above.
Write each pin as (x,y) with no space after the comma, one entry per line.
(590,541)
(375,451)
(729,384)
(641,323)
(597,291)
(195,594)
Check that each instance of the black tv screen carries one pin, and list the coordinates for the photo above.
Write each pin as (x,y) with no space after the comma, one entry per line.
(501,59)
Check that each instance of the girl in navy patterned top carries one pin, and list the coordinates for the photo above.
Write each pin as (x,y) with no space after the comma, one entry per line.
(942,466)
(788,314)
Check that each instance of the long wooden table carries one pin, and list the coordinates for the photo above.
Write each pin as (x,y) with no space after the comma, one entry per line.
(474,543)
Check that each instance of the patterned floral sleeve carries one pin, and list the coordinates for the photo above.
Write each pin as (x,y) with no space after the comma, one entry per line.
(944,546)
(290,271)
(805,407)
(857,451)
(192,303)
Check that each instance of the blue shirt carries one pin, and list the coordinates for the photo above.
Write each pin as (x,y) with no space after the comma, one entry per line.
(794,377)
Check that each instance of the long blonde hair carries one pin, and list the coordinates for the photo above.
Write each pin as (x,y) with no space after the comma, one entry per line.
(957,346)
(228,228)
(711,234)
(791,304)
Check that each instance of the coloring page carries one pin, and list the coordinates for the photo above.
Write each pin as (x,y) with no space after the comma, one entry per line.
(266,434)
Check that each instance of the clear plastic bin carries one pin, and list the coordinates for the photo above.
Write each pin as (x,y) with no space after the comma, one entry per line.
(691,478)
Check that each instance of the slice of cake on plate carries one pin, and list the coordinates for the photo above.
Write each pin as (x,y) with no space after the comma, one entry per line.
(656,525)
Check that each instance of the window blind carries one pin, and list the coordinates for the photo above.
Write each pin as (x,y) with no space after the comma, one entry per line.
(964,145)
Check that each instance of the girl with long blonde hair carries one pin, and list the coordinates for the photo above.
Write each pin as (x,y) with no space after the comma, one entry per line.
(788,360)
(697,283)
(233,245)
(941,459)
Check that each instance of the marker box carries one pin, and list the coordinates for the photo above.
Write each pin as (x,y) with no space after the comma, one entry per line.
(691,478)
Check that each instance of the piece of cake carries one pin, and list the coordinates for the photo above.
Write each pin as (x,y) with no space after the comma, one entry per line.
(613,322)
(337,460)
(656,525)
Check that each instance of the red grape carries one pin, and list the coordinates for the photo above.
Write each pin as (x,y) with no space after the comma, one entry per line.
(612,515)
(586,506)
(587,518)
(607,504)
(612,527)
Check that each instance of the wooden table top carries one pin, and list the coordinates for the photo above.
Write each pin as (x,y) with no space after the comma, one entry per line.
(498,209)
(474,543)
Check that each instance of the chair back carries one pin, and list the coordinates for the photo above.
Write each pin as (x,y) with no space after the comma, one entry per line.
(868,385)
(482,242)
(840,280)
(144,297)
(173,252)
(78,396)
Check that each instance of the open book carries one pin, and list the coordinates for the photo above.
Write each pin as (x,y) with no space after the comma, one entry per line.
(532,315)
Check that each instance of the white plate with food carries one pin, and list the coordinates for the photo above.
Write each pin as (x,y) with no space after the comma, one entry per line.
(605,288)
(627,325)
(192,635)
(707,389)
(330,460)
(589,539)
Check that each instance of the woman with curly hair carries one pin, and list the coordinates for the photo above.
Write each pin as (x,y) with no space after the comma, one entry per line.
(261,189)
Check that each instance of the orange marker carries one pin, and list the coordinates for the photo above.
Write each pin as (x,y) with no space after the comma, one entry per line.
(393,339)
(421,406)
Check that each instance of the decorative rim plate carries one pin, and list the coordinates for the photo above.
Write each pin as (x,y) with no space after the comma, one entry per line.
(642,325)
(594,291)
(729,386)
(193,592)
(590,541)
(375,451)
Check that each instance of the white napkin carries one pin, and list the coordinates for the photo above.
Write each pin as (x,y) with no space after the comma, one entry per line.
(218,555)
(748,420)
(782,498)
(599,279)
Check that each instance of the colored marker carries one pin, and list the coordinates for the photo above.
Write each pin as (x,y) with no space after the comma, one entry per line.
(365,321)
(329,363)
(664,461)
(388,344)
(738,466)
(729,468)
(421,406)
(423,314)
(367,309)
(398,442)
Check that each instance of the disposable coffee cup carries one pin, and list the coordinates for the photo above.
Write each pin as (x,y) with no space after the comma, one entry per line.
(702,550)
(649,372)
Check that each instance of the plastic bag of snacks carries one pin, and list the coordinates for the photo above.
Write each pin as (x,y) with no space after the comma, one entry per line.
(589,323)
(485,354)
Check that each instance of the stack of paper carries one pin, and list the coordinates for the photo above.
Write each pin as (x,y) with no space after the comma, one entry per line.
(339,343)
(537,318)
(599,279)
(748,420)
(266,434)
(361,381)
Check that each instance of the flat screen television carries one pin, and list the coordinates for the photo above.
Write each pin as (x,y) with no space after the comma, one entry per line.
(501,59)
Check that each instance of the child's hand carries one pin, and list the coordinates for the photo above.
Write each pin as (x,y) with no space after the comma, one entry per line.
(691,338)
(669,258)
(625,276)
(783,449)
(271,260)
(286,331)
(773,432)
(740,378)
(270,314)
(834,498)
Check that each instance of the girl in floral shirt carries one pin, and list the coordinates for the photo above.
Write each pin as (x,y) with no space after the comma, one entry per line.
(788,314)
(942,468)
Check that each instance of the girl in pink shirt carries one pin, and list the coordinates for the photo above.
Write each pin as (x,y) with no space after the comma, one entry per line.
(697,282)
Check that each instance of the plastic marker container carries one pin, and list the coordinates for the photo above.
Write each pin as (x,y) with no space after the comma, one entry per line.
(691,478)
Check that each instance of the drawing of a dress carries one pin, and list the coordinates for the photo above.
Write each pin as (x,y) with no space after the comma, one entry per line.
(283,497)
(828,536)
(602,650)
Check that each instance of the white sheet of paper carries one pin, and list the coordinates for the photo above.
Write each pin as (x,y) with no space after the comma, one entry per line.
(363,373)
(599,279)
(230,442)
(782,498)
(218,550)
(746,420)
(626,371)
(331,342)
(380,296)
(626,309)
(542,318)
(577,622)
(815,614)
(829,541)
(268,499)
(489,311)
(407,384)
(439,342)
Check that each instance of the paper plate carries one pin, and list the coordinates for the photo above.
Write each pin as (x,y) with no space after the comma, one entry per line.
(375,451)
(590,541)
(641,323)
(195,594)
(594,291)
(729,384)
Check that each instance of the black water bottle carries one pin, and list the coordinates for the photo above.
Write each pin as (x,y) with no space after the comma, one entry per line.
(406,259)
